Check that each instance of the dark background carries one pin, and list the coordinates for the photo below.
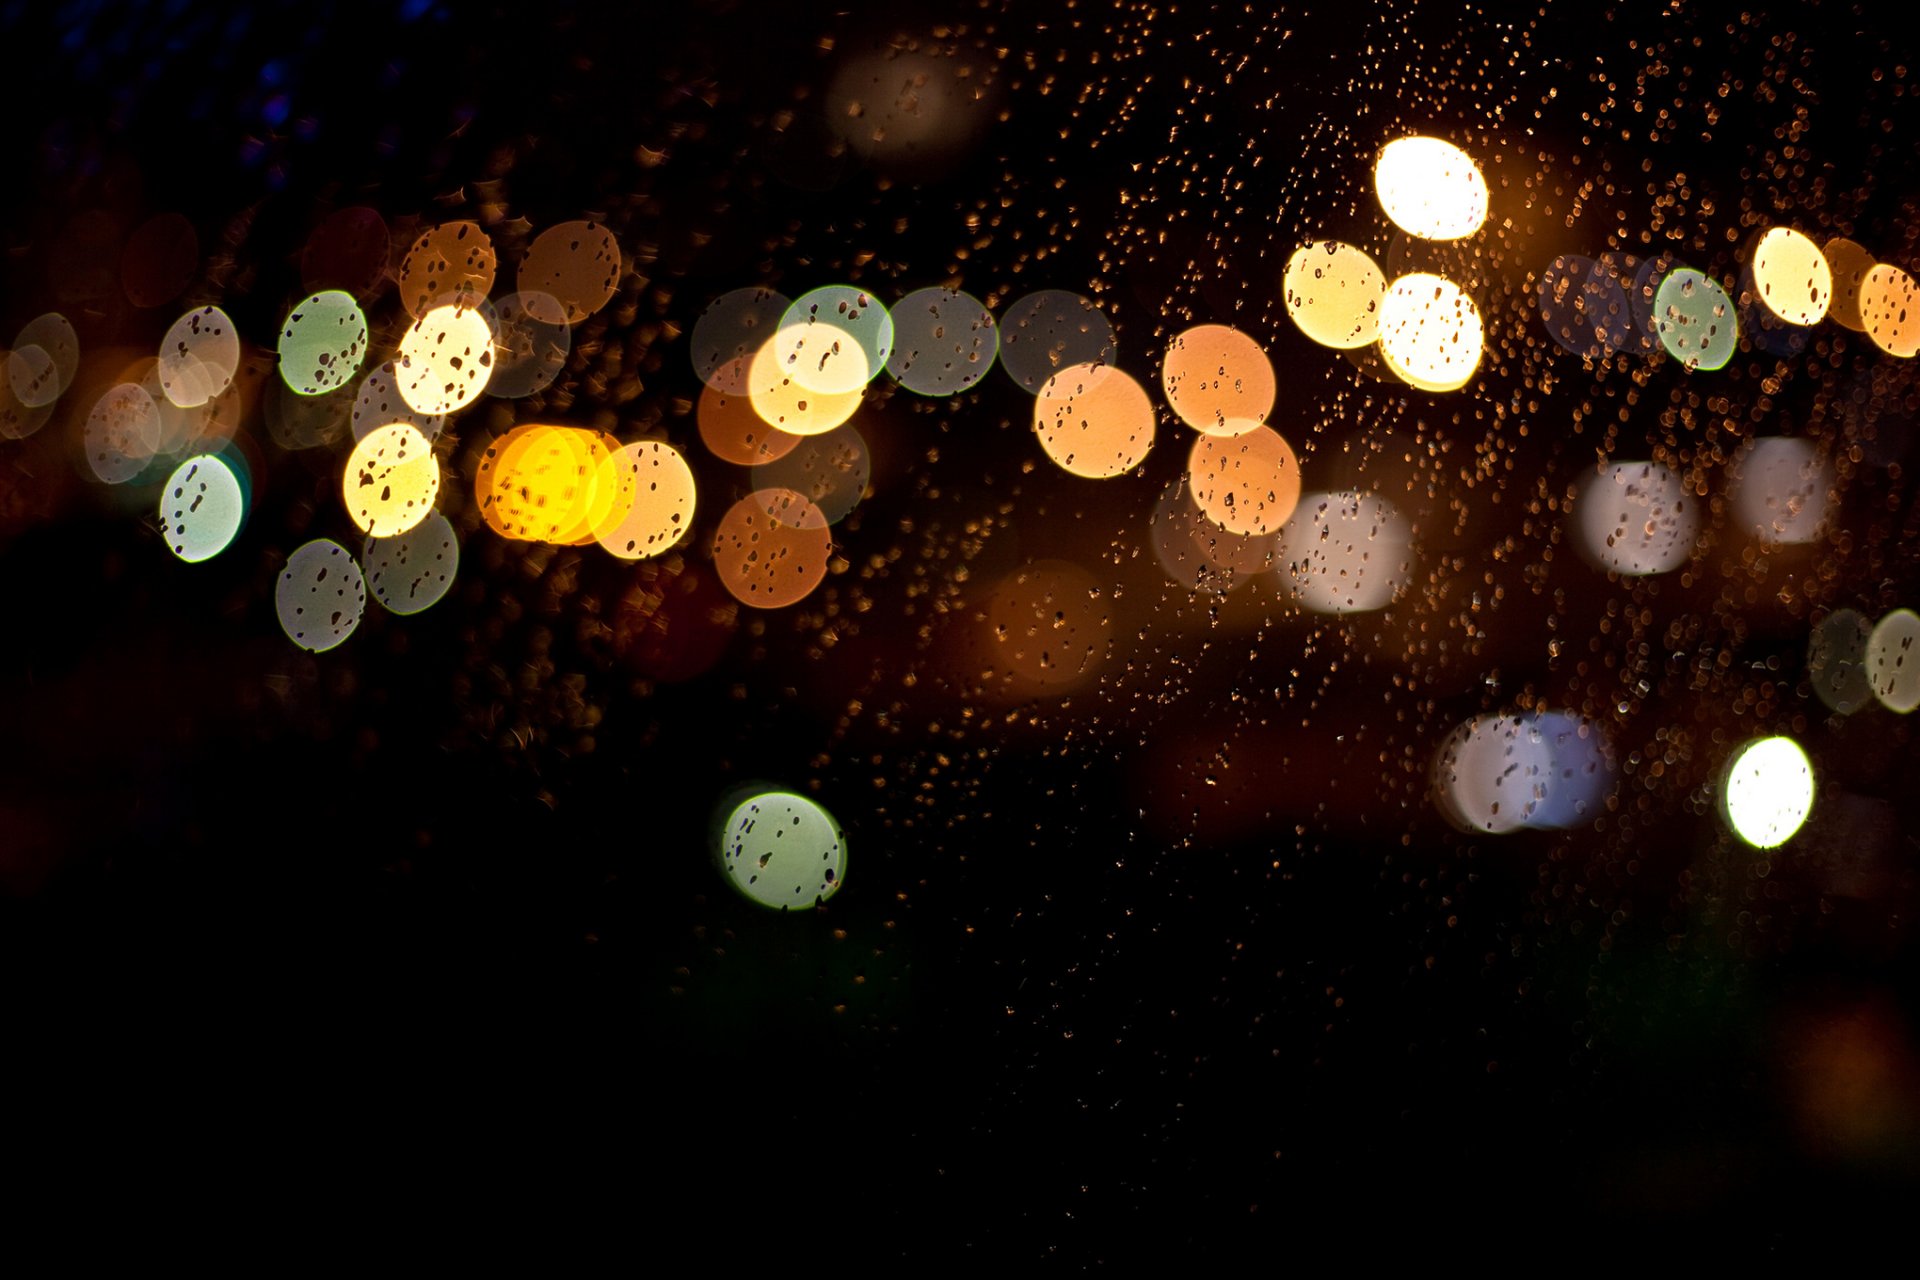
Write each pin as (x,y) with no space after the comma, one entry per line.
(430,920)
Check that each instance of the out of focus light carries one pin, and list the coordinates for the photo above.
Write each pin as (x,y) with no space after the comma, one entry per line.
(201,508)
(1837,661)
(410,572)
(1847,266)
(789,406)
(733,327)
(1430,333)
(391,480)
(658,509)
(539,483)
(1046,332)
(1780,487)
(1218,380)
(1892,665)
(445,360)
(320,596)
(198,357)
(783,851)
(531,347)
(122,433)
(1695,319)
(730,428)
(577,263)
(1430,188)
(1793,278)
(322,343)
(1499,773)
(378,403)
(1094,421)
(1049,625)
(452,264)
(1197,553)
(771,549)
(830,471)
(1769,791)
(1636,518)
(44,359)
(1345,553)
(1333,293)
(1246,484)
(1890,311)
(944,341)
(834,340)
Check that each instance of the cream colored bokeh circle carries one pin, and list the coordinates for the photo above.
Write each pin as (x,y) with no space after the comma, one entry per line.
(1792,276)
(391,480)
(1333,293)
(445,359)
(1430,333)
(1430,188)
(784,404)
(660,509)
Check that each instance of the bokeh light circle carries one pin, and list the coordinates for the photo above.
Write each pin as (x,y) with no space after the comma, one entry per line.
(1218,380)
(1695,319)
(1430,188)
(831,471)
(783,851)
(1054,329)
(1094,421)
(122,433)
(531,347)
(1333,293)
(1837,665)
(320,596)
(1050,626)
(413,571)
(1893,660)
(1430,333)
(1247,484)
(391,480)
(1345,553)
(577,263)
(198,357)
(201,508)
(656,510)
(1890,310)
(1792,276)
(785,404)
(1780,488)
(730,331)
(1497,774)
(1636,518)
(445,359)
(44,359)
(1847,266)
(322,343)
(451,264)
(944,341)
(733,431)
(834,340)
(771,549)
(1768,791)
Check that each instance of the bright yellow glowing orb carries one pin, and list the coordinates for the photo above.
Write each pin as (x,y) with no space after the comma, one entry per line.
(445,359)
(658,509)
(391,480)
(1792,276)
(784,404)
(1891,311)
(1769,791)
(1094,421)
(537,483)
(1247,484)
(1430,188)
(1430,334)
(1218,380)
(1333,292)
